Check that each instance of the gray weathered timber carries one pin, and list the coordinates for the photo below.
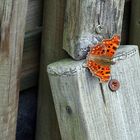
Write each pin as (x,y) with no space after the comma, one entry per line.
(51,51)
(89,21)
(87,110)
(12,25)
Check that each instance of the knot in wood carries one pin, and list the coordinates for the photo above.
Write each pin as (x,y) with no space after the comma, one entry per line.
(69,110)
(100,29)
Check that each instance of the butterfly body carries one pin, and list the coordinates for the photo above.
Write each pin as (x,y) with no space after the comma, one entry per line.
(100,58)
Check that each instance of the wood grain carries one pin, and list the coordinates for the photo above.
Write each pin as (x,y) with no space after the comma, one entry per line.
(87,110)
(34,15)
(32,45)
(83,20)
(51,51)
(12,26)
(31,58)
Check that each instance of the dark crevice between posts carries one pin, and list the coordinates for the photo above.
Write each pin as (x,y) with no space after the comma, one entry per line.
(102,92)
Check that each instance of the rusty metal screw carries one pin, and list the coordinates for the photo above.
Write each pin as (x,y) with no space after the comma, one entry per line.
(114,85)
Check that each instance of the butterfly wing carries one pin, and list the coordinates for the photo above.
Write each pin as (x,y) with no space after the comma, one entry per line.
(111,45)
(102,72)
(98,70)
(97,50)
(106,49)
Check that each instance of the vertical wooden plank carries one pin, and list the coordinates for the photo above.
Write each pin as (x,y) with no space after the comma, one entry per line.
(135,23)
(47,126)
(32,44)
(89,21)
(12,24)
(34,15)
(31,58)
(88,110)
(126,23)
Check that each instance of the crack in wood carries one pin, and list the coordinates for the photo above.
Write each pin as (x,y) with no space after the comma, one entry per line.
(102,92)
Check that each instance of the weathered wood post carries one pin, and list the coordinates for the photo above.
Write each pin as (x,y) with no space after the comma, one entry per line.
(86,109)
(12,23)
(52,40)
(89,21)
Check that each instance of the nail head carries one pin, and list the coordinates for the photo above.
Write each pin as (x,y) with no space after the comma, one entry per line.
(114,85)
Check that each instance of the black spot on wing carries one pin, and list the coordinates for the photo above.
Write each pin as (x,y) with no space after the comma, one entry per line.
(102,51)
(114,48)
(108,72)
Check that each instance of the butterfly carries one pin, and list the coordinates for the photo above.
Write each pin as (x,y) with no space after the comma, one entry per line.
(100,58)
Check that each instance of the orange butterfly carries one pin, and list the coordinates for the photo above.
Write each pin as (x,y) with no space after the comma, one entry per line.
(99,58)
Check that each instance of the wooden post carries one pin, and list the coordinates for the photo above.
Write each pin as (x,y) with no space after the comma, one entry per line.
(47,126)
(135,23)
(89,21)
(12,24)
(87,110)
(30,61)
